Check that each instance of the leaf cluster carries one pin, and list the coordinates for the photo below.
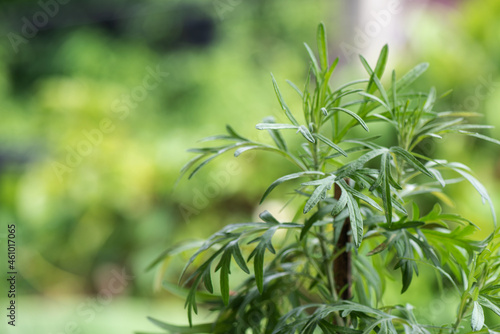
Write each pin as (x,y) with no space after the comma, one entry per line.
(346,179)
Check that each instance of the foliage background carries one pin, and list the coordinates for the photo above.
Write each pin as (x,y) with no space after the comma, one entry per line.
(119,208)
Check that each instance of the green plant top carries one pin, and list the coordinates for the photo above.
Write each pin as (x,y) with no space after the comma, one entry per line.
(357,217)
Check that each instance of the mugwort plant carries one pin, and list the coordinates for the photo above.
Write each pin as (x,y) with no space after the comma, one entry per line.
(357,217)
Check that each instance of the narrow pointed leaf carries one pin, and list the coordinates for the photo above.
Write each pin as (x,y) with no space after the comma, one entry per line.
(375,99)
(355,219)
(361,196)
(328,74)
(295,88)
(305,132)
(480,189)
(431,99)
(480,136)
(412,160)
(287,178)
(238,257)
(411,76)
(386,187)
(268,217)
(283,105)
(330,143)
(379,68)
(314,61)
(239,151)
(340,204)
(319,193)
(274,126)
(487,303)
(354,115)
(276,135)
(322,46)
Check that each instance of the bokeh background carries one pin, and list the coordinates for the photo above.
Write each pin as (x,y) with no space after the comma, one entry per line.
(99,101)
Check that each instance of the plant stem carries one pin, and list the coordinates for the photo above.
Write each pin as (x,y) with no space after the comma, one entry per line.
(342,265)
(327,266)
(464,306)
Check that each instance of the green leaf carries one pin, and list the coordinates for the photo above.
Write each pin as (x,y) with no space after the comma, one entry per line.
(195,329)
(295,88)
(431,99)
(315,65)
(386,187)
(239,151)
(411,159)
(480,136)
(315,218)
(238,257)
(265,242)
(376,99)
(402,225)
(477,320)
(305,132)
(351,167)
(268,217)
(484,301)
(218,153)
(276,135)
(322,46)
(352,114)
(379,68)
(283,105)
(406,273)
(356,219)
(479,188)
(339,95)
(225,269)
(393,91)
(319,193)
(334,329)
(340,204)
(234,134)
(207,281)
(376,80)
(415,211)
(330,143)
(274,126)
(330,72)
(359,195)
(287,178)
(351,83)
(411,76)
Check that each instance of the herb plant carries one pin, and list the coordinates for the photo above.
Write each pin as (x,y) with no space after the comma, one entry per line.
(357,220)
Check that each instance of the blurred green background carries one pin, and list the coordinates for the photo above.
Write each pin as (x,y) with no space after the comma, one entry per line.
(99,102)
